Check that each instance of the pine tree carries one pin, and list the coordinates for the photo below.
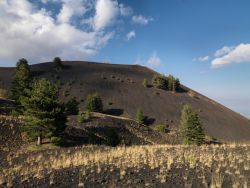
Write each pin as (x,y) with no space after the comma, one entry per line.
(58,63)
(21,82)
(94,103)
(191,127)
(171,81)
(72,106)
(177,84)
(199,131)
(140,118)
(44,116)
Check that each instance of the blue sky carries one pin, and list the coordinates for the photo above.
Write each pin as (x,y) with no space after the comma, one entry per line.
(206,43)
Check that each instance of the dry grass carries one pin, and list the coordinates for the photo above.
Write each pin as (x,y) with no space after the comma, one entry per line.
(163,157)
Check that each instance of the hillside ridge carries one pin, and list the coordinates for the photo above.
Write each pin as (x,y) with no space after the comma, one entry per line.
(121,89)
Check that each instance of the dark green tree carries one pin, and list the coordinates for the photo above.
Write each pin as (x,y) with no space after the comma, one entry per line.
(72,106)
(171,83)
(58,63)
(21,82)
(199,131)
(160,81)
(94,103)
(191,127)
(177,84)
(44,115)
(140,118)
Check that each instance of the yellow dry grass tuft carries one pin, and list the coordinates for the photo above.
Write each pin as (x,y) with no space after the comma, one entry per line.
(162,157)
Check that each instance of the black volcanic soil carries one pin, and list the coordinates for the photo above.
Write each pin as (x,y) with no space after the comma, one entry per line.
(156,166)
(94,131)
(120,87)
(129,132)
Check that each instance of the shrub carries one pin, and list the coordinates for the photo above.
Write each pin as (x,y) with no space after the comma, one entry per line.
(72,106)
(140,118)
(161,128)
(83,117)
(191,127)
(145,83)
(94,103)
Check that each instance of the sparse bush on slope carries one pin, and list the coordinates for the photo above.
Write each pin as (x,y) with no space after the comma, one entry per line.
(140,118)
(94,103)
(83,117)
(161,128)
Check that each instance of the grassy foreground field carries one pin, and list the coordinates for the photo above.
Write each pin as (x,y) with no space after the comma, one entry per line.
(135,166)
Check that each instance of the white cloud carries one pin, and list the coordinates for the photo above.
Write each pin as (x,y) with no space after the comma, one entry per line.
(141,20)
(35,34)
(106,12)
(125,10)
(223,51)
(154,61)
(69,9)
(238,54)
(202,58)
(130,35)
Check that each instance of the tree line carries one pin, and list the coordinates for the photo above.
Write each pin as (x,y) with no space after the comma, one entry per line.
(161,81)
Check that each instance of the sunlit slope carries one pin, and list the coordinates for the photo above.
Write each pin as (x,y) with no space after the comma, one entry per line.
(121,89)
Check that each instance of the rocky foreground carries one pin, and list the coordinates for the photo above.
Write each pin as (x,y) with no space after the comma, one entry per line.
(135,166)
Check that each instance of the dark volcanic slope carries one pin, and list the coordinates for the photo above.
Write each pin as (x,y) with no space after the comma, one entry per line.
(121,88)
